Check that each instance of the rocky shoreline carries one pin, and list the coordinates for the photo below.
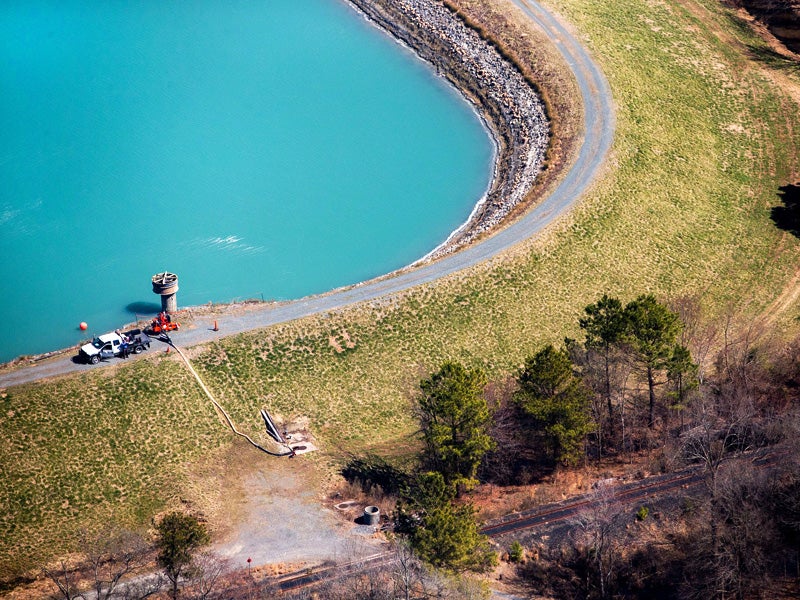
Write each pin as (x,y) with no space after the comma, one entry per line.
(508,104)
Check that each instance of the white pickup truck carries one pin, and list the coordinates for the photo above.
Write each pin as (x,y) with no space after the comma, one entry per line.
(109,345)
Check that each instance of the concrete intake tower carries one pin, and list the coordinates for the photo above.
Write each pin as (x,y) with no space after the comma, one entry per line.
(166,285)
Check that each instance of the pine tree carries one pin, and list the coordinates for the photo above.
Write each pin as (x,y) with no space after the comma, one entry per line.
(652,336)
(605,325)
(178,536)
(442,533)
(550,391)
(455,417)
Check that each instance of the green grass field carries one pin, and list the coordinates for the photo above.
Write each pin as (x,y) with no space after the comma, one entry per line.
(705,138)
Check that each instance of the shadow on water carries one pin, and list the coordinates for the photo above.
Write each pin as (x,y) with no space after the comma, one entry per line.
(143,308)
(787,217)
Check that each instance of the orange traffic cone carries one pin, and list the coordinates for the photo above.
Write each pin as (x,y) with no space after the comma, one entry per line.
(167,351)
(215,326)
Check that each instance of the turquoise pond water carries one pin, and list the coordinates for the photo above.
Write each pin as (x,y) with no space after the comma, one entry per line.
(267,149)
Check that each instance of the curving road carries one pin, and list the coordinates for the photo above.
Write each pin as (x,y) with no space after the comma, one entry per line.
(599,133)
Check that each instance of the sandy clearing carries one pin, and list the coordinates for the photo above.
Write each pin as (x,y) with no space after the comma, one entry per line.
(283,521)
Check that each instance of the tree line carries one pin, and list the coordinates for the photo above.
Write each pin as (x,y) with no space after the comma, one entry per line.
(631,386)
(546,421)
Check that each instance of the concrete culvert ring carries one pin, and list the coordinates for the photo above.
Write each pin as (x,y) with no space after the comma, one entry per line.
(346,505)
(372,515)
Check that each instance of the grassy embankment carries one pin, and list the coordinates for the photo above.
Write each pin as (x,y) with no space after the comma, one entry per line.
(704,141)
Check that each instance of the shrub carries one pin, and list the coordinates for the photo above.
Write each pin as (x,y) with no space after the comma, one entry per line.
(516,553)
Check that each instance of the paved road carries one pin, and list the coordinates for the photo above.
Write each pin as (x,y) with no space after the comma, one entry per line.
(599,133)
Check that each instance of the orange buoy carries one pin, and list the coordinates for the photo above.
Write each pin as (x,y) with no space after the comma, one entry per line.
(83,326)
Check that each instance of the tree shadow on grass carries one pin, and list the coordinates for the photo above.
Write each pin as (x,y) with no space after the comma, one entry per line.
(773,59)
(373,471)
(787,217)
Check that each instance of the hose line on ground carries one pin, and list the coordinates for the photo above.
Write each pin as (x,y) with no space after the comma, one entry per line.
(222,410)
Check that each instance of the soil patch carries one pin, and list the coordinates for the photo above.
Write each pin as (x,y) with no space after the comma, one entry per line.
(281,520)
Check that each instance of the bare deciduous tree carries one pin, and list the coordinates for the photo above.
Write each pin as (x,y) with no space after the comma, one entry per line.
(698,334)
(65,575)
(407,571)
(205,578)
(597,536)
(712,438)
(108,557)
(111,555)
(141,587)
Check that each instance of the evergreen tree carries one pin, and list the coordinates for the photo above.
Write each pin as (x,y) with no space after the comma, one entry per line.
(455,417)
(682,377)
(605,326)
(443,534)
(550,391)
(652,336)
(178,537)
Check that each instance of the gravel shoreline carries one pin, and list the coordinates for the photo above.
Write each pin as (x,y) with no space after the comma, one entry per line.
(510,107)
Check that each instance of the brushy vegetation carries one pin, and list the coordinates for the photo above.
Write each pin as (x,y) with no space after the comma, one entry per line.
(705,139)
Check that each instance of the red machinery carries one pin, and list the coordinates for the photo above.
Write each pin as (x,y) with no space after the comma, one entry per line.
(162,324)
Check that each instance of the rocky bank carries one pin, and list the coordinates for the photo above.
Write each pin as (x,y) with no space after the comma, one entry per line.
(510,107)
